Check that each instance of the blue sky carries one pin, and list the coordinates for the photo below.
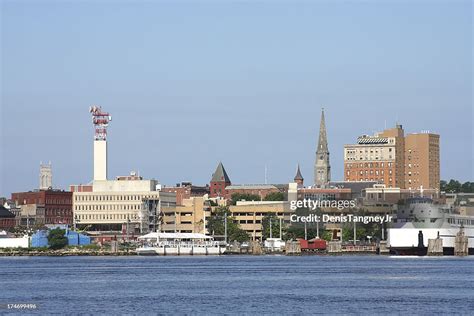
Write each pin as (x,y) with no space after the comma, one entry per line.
(191,83)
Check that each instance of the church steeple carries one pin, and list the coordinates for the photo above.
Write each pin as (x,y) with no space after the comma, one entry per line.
(322,168)
(323,141)
(299,178)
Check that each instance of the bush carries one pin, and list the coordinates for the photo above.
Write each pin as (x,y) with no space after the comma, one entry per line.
(56,238)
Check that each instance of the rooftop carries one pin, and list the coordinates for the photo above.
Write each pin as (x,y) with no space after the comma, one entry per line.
(250,187)
(220,175)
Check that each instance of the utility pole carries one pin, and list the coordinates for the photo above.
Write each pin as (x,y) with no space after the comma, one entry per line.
(305,232)
(270,226)
(175,219)
(383,233)
(225,227)
(128,224)
(280,229)
(157,214)
(354,233)
(142,216)
(204,221)
(317,229)
(265,174)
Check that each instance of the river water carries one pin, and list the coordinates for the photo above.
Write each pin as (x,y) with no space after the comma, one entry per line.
(238,284)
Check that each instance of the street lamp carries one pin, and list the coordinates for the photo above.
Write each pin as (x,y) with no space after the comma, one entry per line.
(225,227)
(76,220)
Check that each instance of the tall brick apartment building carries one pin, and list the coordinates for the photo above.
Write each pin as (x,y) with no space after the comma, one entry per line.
(393,159)
(422,167)
(57,204)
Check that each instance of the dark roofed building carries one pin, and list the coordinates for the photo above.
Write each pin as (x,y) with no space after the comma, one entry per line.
(299,178)
(186,190)
(219,181)
(7,218)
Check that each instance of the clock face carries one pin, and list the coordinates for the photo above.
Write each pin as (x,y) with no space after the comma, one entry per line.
(321,157)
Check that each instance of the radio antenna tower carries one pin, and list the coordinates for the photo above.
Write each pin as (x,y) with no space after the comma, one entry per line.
(101,122)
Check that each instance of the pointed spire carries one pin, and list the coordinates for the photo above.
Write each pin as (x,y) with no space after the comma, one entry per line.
(298,174)
(322,168)
(322,142)
(220,175)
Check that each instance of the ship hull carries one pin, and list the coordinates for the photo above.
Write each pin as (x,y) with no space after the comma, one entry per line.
(404,241)
(181,251)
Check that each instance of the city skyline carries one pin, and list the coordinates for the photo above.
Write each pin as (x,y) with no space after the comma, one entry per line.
(249,96)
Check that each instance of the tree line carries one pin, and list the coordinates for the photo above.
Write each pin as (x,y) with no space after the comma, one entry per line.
(454,186)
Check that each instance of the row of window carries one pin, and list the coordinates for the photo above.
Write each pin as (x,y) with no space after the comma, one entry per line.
(371,172)
(369,179)
(369,165)
(108,207)
(243,221)
(121,197)
(319,196)
(58,201)
(256,214)
(369,158)
(459,221)
(56,212)
(372,150)
(80,217)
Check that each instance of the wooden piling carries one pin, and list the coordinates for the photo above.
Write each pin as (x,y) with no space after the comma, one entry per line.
(256,248)
(292,248)
(383,249)
(461,243)
(435,247)
(334,247)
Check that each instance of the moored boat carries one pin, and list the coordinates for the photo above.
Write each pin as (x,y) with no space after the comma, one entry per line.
(176,244)
(420,219)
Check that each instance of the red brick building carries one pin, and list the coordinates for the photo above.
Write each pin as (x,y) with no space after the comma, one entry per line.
(7,219)
(57,204)
(220,180)
(182,192)
(186,190)
(261,190)
(80,188)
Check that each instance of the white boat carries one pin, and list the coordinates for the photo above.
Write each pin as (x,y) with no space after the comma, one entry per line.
(422,218)
(176,244)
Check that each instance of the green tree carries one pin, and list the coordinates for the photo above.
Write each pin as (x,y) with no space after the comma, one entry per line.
(297,230)
(216,225)
(467,187)
(442,185)
(56,238)
(348,232)
(239,235)
(275,226)
(362,230)
(453,186)
(275,196)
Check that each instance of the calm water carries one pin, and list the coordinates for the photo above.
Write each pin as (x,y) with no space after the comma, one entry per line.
(239,284)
